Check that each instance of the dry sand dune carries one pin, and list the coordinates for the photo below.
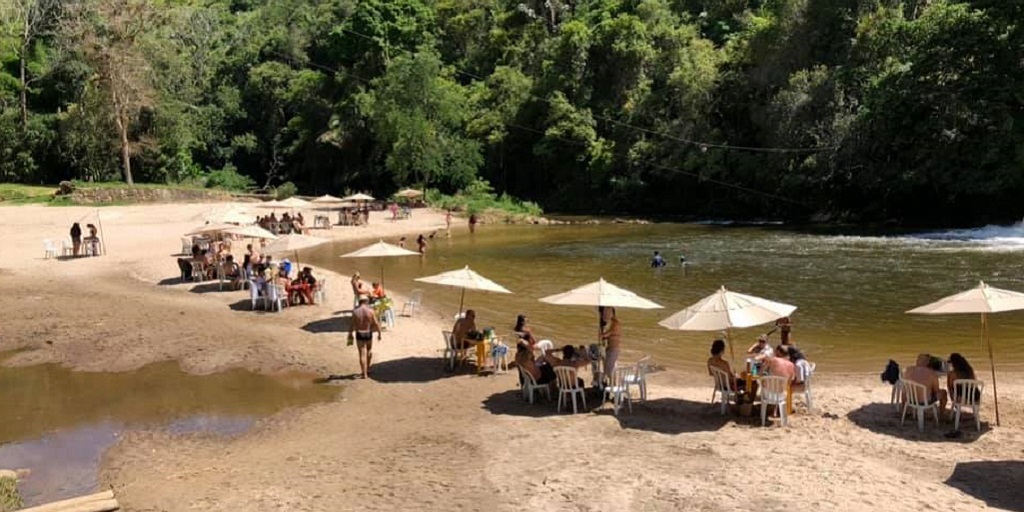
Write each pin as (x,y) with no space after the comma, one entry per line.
(416,438)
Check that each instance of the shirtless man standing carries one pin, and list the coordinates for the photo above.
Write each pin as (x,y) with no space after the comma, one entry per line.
(364,322)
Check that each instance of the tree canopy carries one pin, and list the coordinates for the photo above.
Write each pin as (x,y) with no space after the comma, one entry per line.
(858,110)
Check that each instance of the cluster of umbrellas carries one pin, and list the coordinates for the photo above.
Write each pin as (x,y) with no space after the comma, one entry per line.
(727,310)
(723,310)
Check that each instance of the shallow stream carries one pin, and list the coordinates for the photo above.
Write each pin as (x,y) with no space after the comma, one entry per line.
(57,423)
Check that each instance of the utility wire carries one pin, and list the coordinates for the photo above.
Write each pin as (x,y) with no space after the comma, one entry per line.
(649,163)
(641,129)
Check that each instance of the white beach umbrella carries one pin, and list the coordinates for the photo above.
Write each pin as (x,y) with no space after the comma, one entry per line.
(210,228)
(358,197)
(982,299)
(408,193)
(467,280)
(271,204)
(292,243)
(327,199)
(251,232)
(294,203)
(601,293)
(726,310)
(380,249)
(233,217)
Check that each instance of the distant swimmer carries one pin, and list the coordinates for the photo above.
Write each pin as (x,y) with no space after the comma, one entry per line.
(682,260)
(657,261)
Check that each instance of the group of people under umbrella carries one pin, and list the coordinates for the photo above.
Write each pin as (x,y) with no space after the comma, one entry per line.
(725,310)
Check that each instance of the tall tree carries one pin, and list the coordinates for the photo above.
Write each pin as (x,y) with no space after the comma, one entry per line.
(108,35)
(24,22)
(419,115)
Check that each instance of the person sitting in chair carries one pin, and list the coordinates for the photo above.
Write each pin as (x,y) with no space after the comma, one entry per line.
(541,373)
(465,333)
(524,332)
(716,360)
(801,365)
(923,374)
(571,358)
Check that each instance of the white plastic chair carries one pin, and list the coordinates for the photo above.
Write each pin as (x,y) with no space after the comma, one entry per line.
(449,351)
(544,346)
(773,392)
(807,385)
(723,387)
(186,245)
(452,353)
(618,389)
(320,291)
(530,386)
(896,397)
(254,294)
(221,277)
(917,399)
(638,377)
(198,271)
(413,302)
(66,248)
(49,249)
(498,352)
(968,394)
(277,297)
(569,387)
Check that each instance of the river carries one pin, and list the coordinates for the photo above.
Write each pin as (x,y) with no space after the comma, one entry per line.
(851,287)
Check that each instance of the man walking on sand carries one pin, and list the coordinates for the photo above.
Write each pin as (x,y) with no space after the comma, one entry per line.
(364,322)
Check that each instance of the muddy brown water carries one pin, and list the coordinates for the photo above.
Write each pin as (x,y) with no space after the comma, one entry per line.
(57,423)
(852,287)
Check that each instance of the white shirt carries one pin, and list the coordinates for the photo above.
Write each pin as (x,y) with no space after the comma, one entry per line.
(803,370)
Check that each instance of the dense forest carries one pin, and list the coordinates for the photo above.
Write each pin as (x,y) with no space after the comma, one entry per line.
(860,110)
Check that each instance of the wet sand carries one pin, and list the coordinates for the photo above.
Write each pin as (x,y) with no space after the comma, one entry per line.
(416,438)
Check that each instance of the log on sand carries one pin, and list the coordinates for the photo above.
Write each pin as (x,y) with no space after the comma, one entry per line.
(99,502)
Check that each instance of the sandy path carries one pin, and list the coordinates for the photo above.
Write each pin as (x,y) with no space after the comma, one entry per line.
(417,438)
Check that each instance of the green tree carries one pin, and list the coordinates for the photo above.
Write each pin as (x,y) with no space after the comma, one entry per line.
(419,114)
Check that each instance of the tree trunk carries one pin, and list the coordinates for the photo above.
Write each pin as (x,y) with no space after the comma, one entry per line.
(23,55)
(126,160)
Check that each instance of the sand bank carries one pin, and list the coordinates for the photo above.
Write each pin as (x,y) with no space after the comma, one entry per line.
(416,438)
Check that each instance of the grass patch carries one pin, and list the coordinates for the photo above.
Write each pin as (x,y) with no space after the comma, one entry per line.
(10,500)
(12,193)
(479,197)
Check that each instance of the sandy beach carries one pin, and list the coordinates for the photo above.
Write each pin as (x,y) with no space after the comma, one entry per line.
(414,437)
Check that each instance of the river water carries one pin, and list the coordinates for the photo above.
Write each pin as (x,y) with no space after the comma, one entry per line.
(57,423)
(852,288)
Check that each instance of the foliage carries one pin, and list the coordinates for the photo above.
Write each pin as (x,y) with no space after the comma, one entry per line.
(285,190)
(10,499)
(228,178)
(478,197)
(861,110)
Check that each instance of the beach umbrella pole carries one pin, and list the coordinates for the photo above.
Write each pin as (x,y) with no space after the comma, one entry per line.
(728,338)
(382,274)
(986,337)
(461,300)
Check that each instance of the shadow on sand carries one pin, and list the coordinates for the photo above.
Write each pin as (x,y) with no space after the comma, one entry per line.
(883,418)
(511,402)
(662,415)
(996,482)
(212,287)
(673,416)
(410,369)
(332,324)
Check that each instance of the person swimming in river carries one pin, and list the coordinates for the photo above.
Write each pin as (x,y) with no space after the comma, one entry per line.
(657,261)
